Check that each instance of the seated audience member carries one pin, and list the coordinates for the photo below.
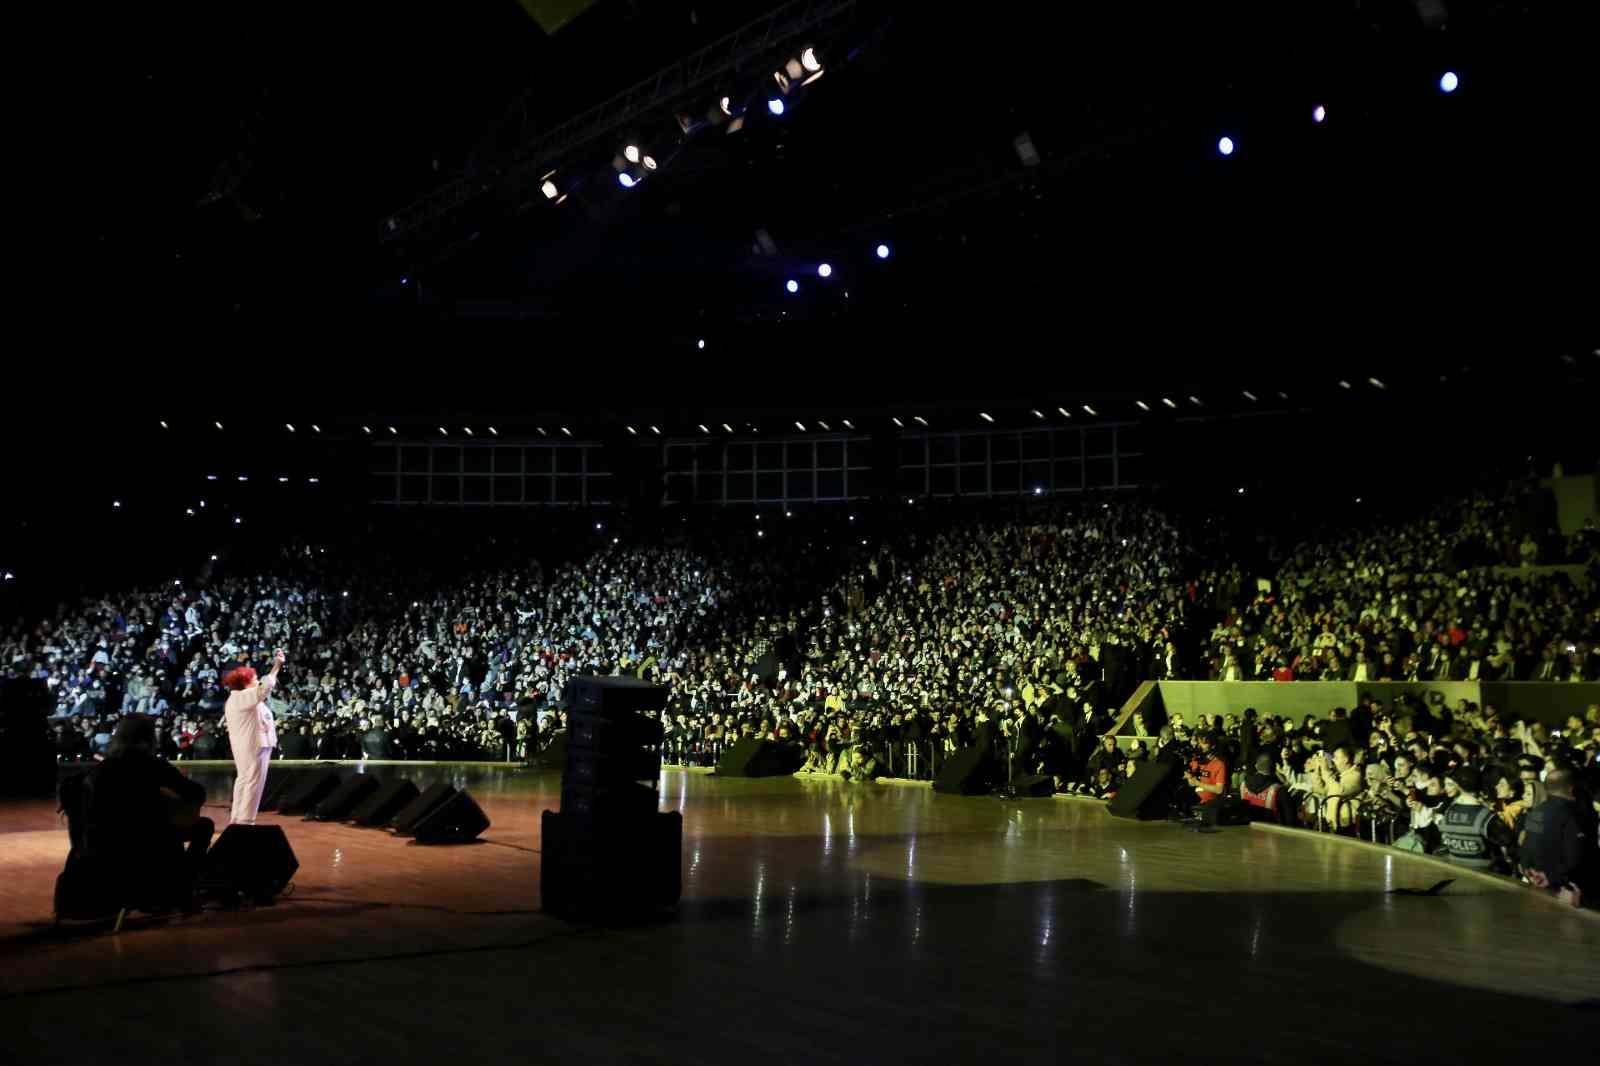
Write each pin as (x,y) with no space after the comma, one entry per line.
(1105,757)
(1556,853)
(142,842)
(1472,835)
(1207,775)
(1104,785)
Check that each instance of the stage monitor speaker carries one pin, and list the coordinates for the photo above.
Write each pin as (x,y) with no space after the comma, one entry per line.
(967,772)
(254,861)
(1035,785)
(1225,810)
(754,757)
(279,781)
(610,878)
(1148,793)
(405,823)
(27,756)
(344,799)
(303,796)
(382,805)
(455,821)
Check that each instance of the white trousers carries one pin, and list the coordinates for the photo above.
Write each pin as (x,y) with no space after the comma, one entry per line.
(248,786)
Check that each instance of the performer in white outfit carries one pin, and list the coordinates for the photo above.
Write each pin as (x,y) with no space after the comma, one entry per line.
(253,735)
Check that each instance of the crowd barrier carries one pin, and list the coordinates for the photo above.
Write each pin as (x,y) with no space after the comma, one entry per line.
(1550,702)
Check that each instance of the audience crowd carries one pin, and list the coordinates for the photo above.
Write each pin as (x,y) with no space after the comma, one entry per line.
(1021,635)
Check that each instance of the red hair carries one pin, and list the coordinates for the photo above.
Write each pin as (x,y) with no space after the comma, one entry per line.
(239,678)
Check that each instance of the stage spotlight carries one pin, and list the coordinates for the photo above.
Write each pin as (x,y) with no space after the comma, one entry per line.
(701,344)
(1225,146)
(809,60)
(649,162)
(792,285)
(775,105)
(824,270)
(1318,113)
(883,251)
(1448,82)
(549,189)
(726,105)
(627,180)
(631,153)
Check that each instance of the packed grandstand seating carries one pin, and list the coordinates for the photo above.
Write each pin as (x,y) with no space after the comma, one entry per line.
(1026,632)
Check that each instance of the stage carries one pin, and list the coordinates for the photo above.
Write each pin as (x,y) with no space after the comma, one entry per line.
(822,921)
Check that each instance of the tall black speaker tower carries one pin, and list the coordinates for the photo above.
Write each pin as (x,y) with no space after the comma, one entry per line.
(609,852)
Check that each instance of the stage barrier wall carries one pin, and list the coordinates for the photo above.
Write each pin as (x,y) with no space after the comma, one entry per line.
(1544,701)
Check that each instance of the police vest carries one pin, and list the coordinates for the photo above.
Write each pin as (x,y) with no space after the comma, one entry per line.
(1264,799)
(1466,834)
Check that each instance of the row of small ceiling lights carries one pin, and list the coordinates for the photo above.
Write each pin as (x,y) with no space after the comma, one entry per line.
(1226,146)
(900,423)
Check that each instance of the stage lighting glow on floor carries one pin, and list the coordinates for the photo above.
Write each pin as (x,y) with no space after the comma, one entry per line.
(883,251)
(824,270)
(792,285)
(627,180)
(1448,82)
(775,105)
(1225,146)
(1319,113)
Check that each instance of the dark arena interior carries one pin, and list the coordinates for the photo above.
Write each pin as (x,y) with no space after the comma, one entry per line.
(826,531)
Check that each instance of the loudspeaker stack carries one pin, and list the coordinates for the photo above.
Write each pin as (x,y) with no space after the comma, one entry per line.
(609,852)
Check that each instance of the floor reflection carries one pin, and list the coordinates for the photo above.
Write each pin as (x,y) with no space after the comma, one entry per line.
(825,921)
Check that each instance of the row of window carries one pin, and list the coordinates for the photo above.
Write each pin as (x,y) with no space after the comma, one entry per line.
(798,471)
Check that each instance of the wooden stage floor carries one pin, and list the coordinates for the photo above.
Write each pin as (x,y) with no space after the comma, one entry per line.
(822,922)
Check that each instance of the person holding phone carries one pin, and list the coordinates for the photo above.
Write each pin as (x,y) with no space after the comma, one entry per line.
(252,733)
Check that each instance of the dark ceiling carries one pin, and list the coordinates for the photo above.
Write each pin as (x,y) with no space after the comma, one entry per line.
(262,147)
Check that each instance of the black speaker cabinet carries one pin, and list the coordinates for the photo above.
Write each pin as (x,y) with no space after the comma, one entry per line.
(303,795)
(610,877)
(343,800)
(405,823)
(1148,793)
(253,861)
(455,821)
(967,772)
(382,805)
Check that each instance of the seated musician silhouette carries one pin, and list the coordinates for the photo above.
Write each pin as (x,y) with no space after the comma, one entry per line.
(138,841)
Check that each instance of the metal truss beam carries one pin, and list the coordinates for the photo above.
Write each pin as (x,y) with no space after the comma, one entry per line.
(684,78)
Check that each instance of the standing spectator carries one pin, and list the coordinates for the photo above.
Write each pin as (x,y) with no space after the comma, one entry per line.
(1558,846)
